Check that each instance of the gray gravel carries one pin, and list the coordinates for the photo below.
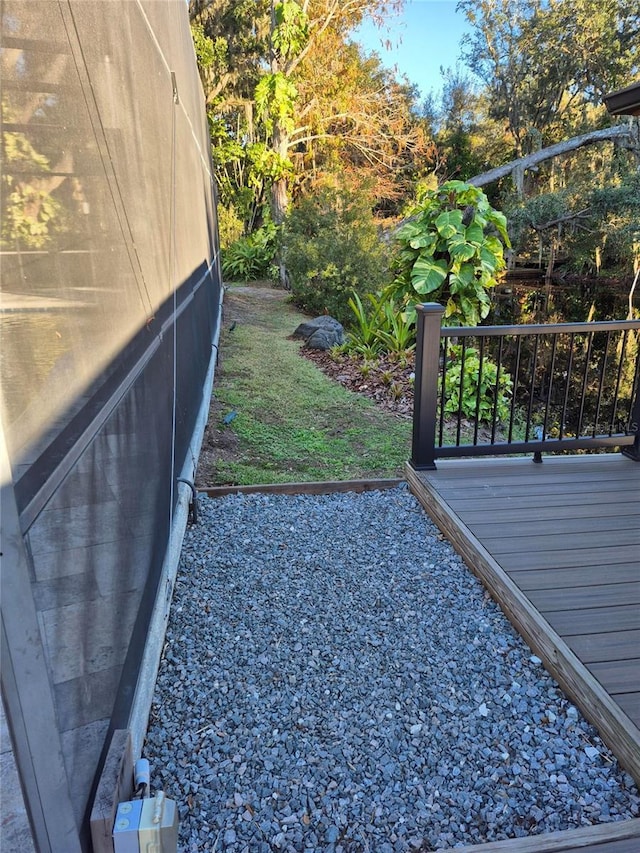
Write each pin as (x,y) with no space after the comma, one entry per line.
(335,679)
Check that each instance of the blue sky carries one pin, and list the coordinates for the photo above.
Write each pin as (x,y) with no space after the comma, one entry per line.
(424,37)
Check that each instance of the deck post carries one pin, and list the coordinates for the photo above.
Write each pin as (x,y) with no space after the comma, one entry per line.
(425,403)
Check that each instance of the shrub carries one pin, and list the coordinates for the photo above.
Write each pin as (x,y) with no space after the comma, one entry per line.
(379,326)
(230,226)
(477,396)
(331,248)
(251,257)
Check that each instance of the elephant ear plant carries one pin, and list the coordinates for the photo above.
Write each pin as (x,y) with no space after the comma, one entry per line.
(450,251)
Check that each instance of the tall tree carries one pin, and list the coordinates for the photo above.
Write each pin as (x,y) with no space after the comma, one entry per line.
(297,28)
(303,100)
(468,140)
(543,61)
(360,120)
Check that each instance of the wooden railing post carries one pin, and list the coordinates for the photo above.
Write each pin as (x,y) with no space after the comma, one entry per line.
(425,402)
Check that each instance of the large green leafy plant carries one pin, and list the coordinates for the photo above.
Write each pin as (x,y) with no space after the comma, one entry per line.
(450,251)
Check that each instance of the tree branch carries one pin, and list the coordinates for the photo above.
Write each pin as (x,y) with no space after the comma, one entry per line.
(619,131)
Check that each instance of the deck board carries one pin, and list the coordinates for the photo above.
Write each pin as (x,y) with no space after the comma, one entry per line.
(558,544)
(630,704)
(600,619)
(614,645)
(561,578)
(605,556)
(555,523)
(607,595)
(618,676)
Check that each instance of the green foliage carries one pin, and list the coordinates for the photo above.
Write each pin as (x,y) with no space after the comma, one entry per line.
(396,332)
(363,334)
(251,258)
(591,227)
(287,76)
(450,251)
(230,226)
(616,214)
(266,164)
(275,97)
(544,62)
(203,46)
(381,328)
(331,249)
(291,29)
(478,397)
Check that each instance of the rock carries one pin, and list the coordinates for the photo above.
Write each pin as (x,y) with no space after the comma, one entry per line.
(321,333)
(332,834)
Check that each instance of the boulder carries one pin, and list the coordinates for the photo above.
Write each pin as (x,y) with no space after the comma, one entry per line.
(320,333)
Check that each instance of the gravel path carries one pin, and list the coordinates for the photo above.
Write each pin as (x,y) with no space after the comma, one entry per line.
(335,679)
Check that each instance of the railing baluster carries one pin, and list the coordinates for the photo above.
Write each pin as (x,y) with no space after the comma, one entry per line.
(603,368)
(633,427)
(583,389)
(614,406)
(443,389)
(515,388)
(463,358)
(496,390)
(479,385)
(532,386)
(567,387)
(552,368)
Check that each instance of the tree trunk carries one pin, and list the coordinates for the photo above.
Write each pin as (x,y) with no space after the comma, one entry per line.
(279,196)
(619,131)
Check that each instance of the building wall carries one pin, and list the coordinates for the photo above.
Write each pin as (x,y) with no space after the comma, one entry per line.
(109,316)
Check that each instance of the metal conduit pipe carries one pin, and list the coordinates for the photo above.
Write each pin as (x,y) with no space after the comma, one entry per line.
(193,506)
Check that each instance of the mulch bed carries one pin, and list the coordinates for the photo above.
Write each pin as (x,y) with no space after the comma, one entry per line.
(386,380)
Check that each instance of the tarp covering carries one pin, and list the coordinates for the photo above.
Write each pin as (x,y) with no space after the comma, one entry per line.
(110,304)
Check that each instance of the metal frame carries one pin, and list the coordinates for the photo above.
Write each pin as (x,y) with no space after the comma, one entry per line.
(26,689)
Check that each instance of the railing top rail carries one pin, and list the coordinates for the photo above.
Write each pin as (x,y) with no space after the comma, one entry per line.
(538,329)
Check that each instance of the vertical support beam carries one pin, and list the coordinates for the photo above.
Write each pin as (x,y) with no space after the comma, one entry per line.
(425,400)
(26,688)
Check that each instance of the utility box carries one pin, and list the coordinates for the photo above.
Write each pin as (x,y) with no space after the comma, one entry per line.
(146,826)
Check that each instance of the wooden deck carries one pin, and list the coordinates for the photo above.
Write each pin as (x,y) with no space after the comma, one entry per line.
(558,546)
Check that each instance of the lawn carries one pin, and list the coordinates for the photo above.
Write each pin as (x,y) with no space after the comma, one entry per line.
(276,418)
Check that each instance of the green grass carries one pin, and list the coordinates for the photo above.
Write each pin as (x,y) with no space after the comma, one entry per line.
(293,423)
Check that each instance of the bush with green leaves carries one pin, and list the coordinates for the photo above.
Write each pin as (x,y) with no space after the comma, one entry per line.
(477,388)
(252,257)
(331,249)
(230,226)
(378,326)
(450,251)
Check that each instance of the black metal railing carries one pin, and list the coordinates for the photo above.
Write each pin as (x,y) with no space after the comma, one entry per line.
(524,389)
